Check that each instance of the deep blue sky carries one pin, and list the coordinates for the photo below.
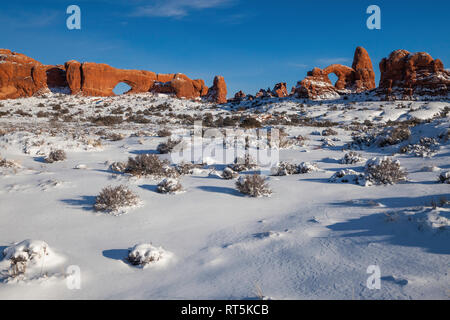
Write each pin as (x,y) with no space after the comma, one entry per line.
(252,43)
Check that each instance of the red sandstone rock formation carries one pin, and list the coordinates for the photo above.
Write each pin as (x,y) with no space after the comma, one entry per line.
(404,74)
(21,76)
(360,77)
(239,96)
(218,92)
(280,90)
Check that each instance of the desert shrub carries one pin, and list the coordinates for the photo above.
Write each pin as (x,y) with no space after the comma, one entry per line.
(307,167)
(149,165)
(329,132)
(253,185)
(249,123)
(169,185)
(229,174)
(426,147)
(187,167)
(113,136)
(144,254)
(164,133)
(348,175)
(391,136)
(284,169)
(112,199)
(138,119)
(10,164)
(352,158)
(118,167)
(444,177)
(56,155)
(167,147)
(243,164)
(107,121)
(23,254)
(384,171)
(42,114)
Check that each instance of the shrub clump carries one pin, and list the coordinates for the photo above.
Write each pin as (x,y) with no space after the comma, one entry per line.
(112,199)
(144,254)
(164,133)
(119,167)
(253,185)
(243,164)
(229,174)
(286,168)
(56,155)
(426,147)
(329,132)
(167,147)
(169,185)
(352,158)
(149,165)
(187,167)
(444,177)
(391,136)
(384,171)
(348,175)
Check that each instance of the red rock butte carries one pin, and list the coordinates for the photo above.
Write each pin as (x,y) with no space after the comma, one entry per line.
(22,76)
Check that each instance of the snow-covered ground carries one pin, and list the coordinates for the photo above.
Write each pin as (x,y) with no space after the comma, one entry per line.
(311,239)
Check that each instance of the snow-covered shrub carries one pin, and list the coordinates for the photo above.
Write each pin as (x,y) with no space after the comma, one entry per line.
(229,174)
(113,136)
(164,133)
(145,254)
(24,254)
(348,175)
(391,136)
(150,165)
(284,169)
(112,199)
(56,155)
(359,141)
(307,167)
(167,147)
(169,185)
(352,158)
(187,167)
(119,167)
(9,166)
(243,164)
(384,171)
(444,177)
(426,147)
(329,132)
(327,142)
(253,185)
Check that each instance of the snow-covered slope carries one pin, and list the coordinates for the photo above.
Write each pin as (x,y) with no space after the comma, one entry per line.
(311,239)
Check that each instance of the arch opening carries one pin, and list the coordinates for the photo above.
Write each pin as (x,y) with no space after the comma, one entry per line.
(121,88)
(333,78)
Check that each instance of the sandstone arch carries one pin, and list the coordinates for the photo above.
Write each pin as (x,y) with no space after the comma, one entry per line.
(358,78)
(21,76)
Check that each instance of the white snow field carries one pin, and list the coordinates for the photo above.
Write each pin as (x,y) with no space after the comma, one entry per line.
(312,238)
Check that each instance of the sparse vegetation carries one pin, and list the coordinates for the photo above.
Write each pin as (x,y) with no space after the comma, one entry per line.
(253,186)
(384,171)
(149,165)
(112,199)
(169,185)
(55,156)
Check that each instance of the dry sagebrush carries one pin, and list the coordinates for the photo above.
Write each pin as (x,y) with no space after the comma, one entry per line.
(253,186)
(112,199)
(150,165)
(384,171)
(57,155)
